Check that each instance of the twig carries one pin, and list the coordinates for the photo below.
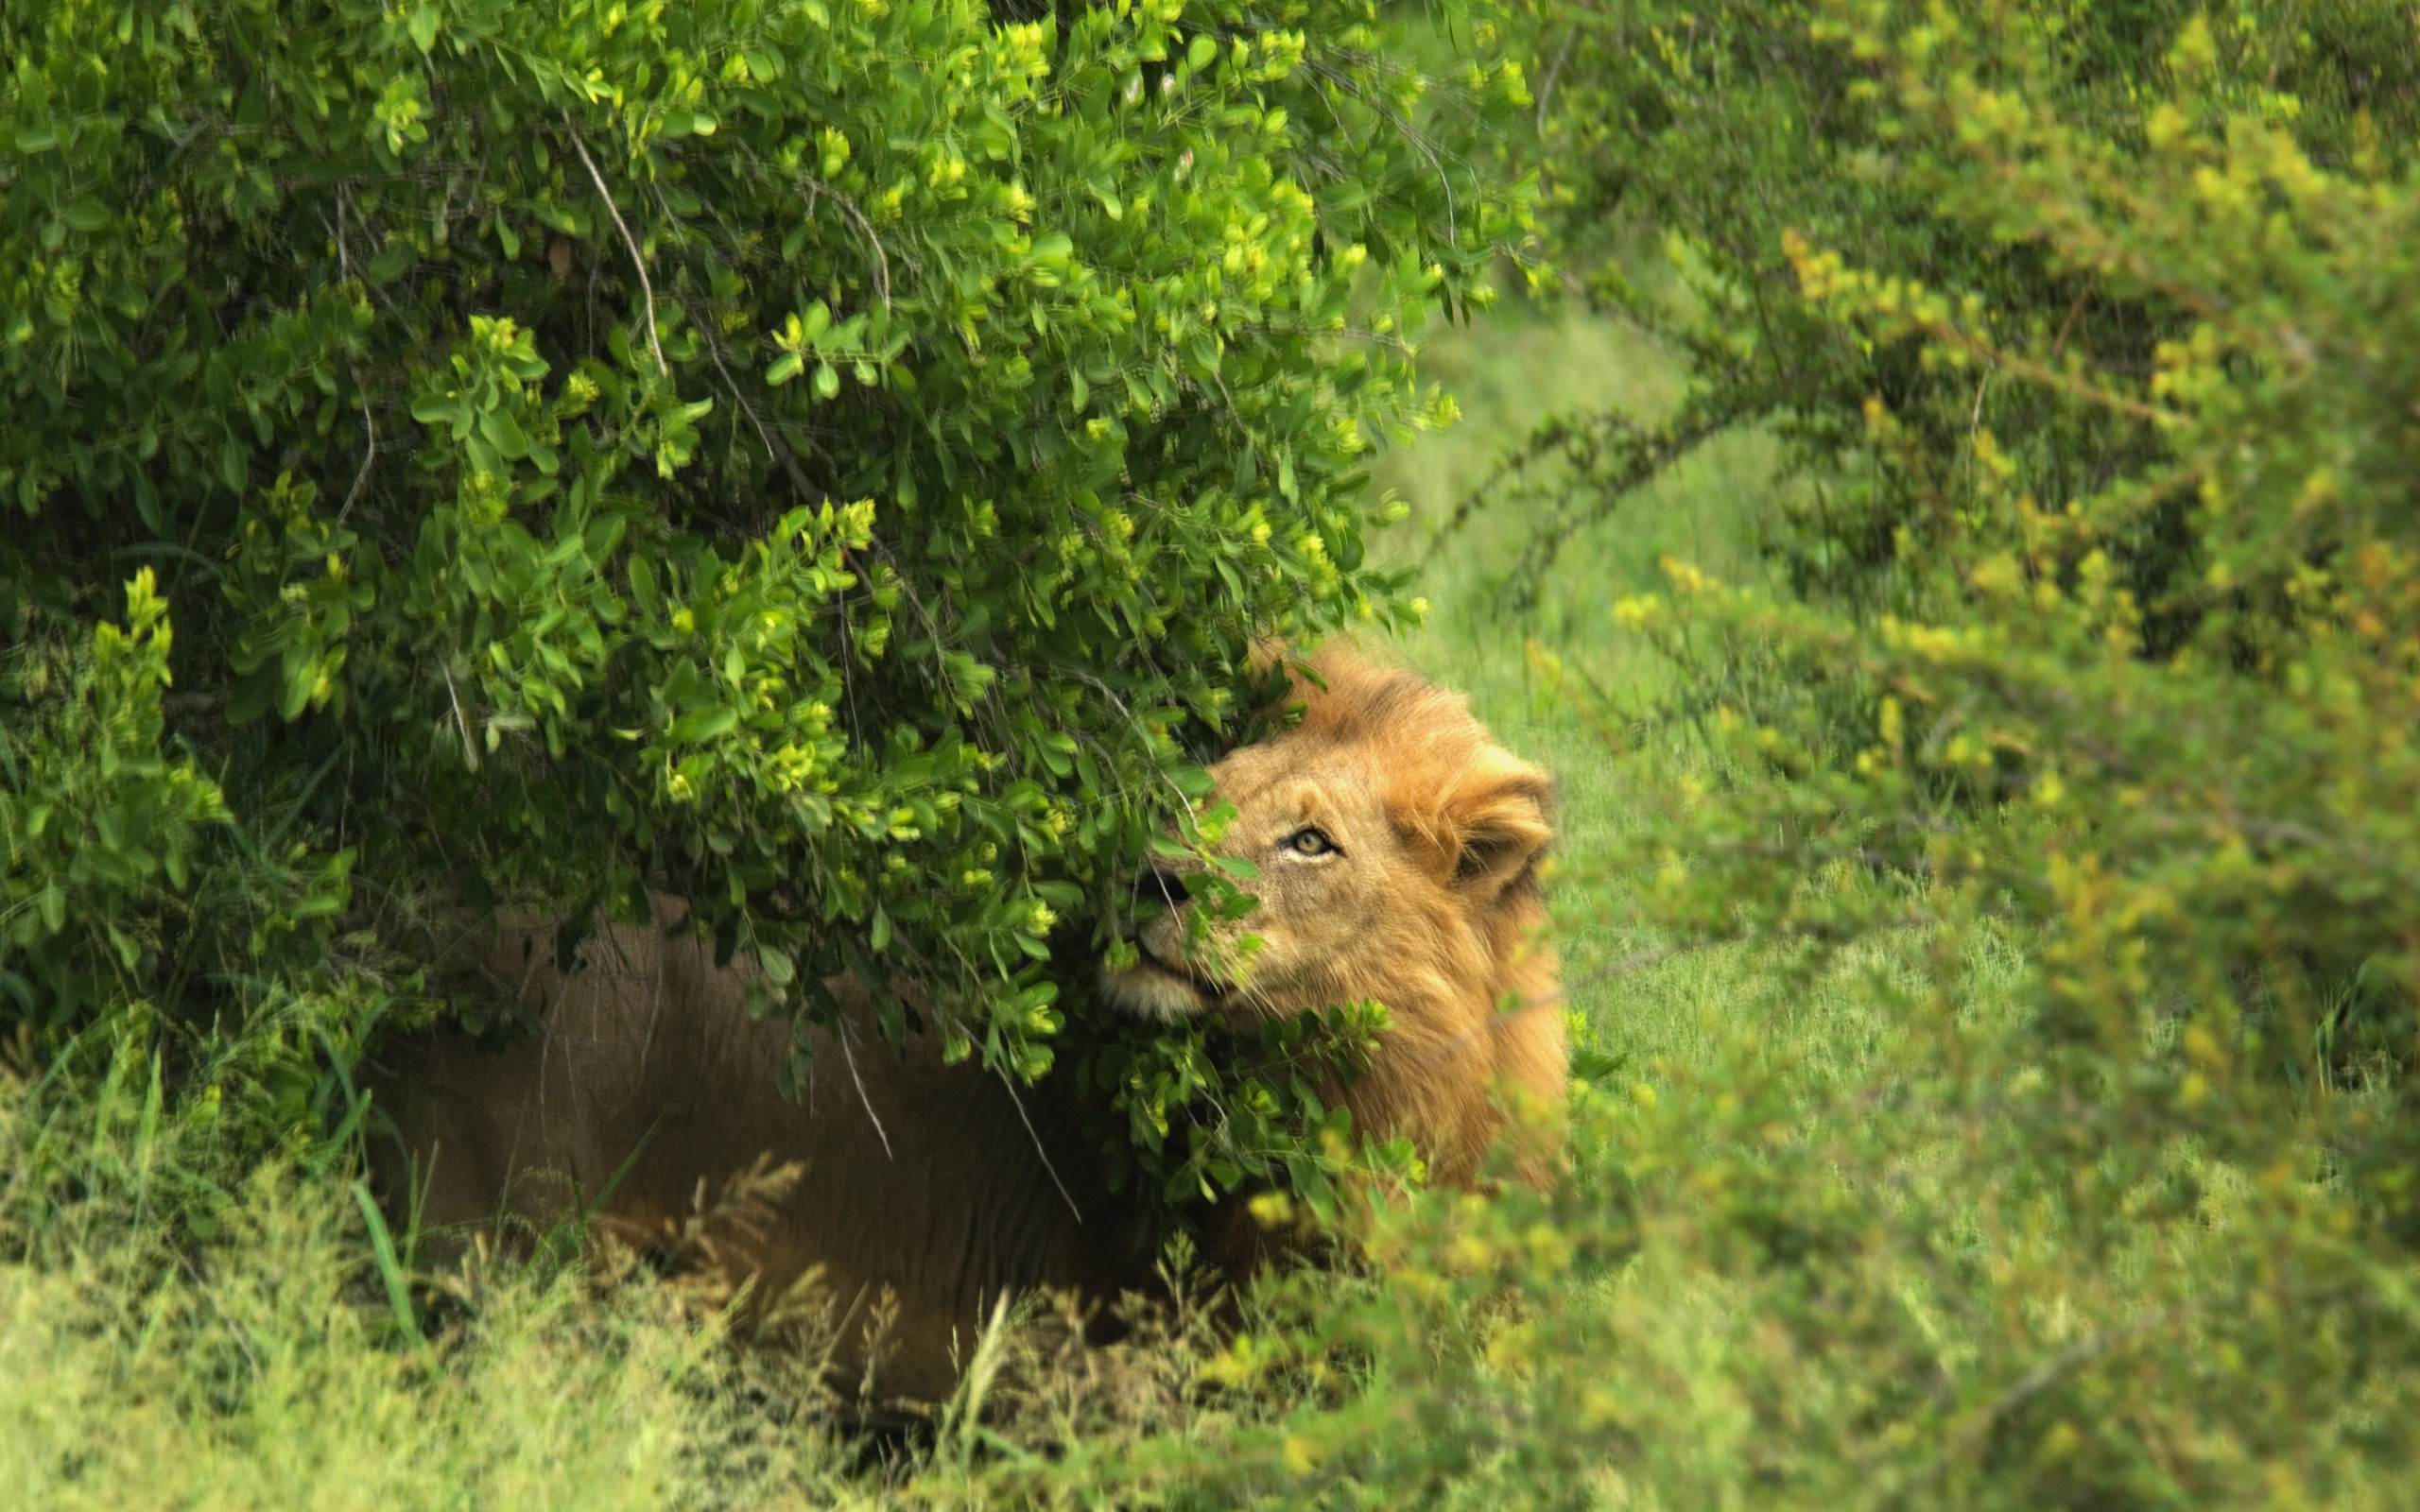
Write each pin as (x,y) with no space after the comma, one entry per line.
(470,752)
(646,287)
(1974,423)
(2059,343)
(184,705)
(1554,70)
(773,448)
(1032,1134)
(2049,377)
(865,229)
(368,457)
(851,1056)
(2034,1382)
(1410,132)
(234,1330)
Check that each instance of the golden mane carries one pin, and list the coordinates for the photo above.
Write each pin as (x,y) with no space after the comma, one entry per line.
(1423,894)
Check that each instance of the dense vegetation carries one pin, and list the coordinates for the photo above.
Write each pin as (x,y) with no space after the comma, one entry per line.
(829,462)
(1987,912)
(2074,714)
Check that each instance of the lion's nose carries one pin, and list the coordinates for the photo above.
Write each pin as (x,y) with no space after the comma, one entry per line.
(1157,887)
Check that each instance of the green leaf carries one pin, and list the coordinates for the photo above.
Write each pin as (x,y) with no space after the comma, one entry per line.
(1195,783)
(776,962)
(504,433)
(389,265)
(391,1269)
(703,725)
(423,26)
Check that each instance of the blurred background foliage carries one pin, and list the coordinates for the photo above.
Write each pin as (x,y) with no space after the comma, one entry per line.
(1946,517)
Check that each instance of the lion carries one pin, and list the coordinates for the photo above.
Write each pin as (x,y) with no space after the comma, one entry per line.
(1398,849)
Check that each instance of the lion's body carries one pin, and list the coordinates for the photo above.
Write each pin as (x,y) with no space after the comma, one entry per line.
(647,1085)
(646,1077)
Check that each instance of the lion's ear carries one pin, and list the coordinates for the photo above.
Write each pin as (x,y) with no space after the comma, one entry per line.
(1495,819)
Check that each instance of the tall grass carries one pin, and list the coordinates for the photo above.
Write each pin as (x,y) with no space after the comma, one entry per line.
(176,1332)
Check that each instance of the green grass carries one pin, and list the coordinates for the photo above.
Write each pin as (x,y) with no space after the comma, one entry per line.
(1505,374)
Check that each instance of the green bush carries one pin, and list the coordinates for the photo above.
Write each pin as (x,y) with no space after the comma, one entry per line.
(135,904)
(1717,130)
(2056,1145)
(826,459)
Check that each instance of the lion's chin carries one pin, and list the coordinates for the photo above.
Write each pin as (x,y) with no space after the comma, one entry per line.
(1152,991)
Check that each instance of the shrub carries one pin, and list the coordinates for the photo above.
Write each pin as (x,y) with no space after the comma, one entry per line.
(827,458)
(1719,130)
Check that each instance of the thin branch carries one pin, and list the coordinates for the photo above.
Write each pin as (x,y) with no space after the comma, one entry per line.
(2059,343)
(1421,142)
(2049,377)
(646,287)
(1640,455)
(1554,70)
(2027,1386)
(1064,1196)
(774,448)
(851,1056)
(470,751)
(188,705)
(865,229)
(368,457)
(344,256)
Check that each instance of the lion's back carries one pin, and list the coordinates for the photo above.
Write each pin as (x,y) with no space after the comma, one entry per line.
(645,1084)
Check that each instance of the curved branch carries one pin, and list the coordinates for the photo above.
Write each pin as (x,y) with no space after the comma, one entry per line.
(646,287)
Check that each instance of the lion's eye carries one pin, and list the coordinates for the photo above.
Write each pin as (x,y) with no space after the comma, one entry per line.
(1310,841)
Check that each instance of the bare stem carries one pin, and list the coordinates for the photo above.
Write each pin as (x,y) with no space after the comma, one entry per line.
(646,286)
(865,229)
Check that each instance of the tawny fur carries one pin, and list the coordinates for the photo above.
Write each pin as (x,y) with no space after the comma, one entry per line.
(646,1077)
(647,1084)
(1428,902)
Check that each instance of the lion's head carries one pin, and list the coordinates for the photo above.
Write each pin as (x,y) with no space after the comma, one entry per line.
(1397,850)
